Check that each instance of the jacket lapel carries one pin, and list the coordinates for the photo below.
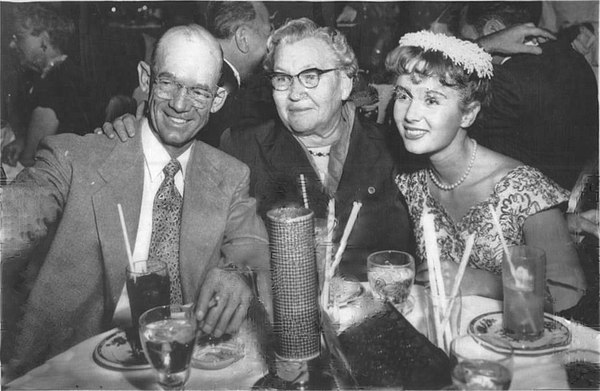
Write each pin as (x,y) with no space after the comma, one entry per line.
(203,205)
(123,173)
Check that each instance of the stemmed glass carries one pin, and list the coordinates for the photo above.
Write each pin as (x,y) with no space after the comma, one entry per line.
(168,335)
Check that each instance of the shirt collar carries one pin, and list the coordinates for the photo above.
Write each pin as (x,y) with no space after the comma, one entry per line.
(156,156)
(236,73)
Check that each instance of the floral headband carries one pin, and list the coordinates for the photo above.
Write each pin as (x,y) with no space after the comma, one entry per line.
(465,54)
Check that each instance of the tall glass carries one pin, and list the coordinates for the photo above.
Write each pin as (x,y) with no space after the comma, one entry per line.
(391,275)
(475,367)
(524,292)
(168,337)
(147,287)
(443,318)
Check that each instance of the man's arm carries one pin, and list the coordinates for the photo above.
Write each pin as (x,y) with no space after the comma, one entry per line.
(33,202)
(225,295)
(43,122)
(515,39)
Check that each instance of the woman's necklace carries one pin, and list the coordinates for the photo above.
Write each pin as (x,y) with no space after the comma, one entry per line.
(441,186)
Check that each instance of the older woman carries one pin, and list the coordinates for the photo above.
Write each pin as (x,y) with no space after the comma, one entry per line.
(441,85)
(319,135)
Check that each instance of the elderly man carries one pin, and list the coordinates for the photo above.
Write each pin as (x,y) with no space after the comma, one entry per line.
(242,29)
(76,183)
(318,135)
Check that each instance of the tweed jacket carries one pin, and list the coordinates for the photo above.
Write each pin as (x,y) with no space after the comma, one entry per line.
(73,189)
(276,159)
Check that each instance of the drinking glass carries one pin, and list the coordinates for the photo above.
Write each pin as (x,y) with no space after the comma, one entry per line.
(524,292)
(443,318)
(168,336)
(391,275)
(147,287)
(475,367)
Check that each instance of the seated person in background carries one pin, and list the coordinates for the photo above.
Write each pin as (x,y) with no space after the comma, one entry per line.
(77,182)
(58,99)
(544,108)
(442,83)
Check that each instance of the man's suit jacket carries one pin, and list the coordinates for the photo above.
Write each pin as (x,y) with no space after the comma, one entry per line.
(544,112)
(276,159)
(74,188)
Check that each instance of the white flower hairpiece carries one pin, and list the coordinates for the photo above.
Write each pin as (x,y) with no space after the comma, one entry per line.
(462,53)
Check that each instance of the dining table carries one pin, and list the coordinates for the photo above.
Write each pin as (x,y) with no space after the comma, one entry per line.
(76,367)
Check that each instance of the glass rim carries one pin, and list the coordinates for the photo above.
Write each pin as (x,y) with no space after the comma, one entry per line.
(405,255)
(152,265)
(179,308)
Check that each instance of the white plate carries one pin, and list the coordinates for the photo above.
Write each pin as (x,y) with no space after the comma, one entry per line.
(487,329)
(114,352)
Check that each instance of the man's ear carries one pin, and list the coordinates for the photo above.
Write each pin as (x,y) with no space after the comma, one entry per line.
(347,84)
(144,73)
(219,99)
(492,26)
(470,114)
(241,39)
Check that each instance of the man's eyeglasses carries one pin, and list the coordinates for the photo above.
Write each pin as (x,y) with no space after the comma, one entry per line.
(309,78)
(167,88)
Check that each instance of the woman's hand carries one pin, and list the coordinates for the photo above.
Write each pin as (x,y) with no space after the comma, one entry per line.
(124,126)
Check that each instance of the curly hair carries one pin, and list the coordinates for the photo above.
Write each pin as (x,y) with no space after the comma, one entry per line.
(419,63)
(223,18)
(40,18)
(298,29)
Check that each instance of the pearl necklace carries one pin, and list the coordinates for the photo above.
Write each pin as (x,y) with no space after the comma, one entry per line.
(453,186)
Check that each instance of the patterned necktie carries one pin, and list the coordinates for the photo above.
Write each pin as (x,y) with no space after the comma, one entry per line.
(166,220)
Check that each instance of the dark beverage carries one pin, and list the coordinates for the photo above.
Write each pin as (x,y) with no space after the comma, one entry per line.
(146,290)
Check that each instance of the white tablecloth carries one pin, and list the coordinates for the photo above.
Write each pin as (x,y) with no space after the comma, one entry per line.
(76,369)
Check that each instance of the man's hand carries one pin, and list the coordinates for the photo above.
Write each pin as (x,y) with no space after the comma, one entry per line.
(123,126)
(516,39)
(224,300)
(583,222)
(11,153)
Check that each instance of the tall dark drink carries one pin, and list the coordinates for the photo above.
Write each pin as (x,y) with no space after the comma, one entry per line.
(146,289)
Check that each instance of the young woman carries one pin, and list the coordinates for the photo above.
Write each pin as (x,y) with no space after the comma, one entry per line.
(441,85)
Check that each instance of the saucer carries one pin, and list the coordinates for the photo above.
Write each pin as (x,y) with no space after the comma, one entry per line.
(114,352)
(487,329)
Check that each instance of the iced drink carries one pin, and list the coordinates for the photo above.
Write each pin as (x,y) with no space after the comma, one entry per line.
(524,287)
(146,289)
(168,337)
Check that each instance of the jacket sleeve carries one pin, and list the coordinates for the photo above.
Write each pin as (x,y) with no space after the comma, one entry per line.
(34,201)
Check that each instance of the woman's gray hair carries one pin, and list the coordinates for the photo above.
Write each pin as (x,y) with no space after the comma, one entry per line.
(298,29)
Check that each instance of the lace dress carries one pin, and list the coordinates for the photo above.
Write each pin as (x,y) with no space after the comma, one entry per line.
(522,192)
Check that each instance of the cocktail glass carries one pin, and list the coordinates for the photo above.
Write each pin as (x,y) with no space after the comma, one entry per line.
(475,367)
(168,335)
(148,286)
(391,275)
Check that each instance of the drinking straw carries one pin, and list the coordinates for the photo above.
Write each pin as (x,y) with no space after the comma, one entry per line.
(328,250)
(344,241)
(459,276)
(126,238)
(303,188)
(431,250)
(496,222)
